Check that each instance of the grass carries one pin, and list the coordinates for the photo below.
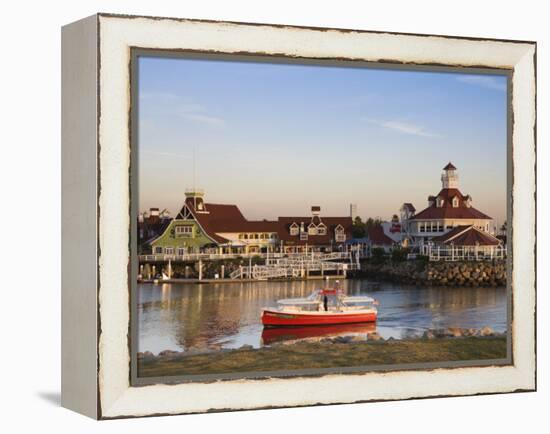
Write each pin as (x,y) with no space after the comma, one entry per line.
(311,355)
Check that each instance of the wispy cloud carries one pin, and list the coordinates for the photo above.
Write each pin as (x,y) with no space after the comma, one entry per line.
(203,118)
(483,81)
(165,154)
(158,96)
(404,127)
(183,107)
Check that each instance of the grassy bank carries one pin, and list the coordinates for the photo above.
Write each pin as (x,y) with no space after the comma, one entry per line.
(325,355)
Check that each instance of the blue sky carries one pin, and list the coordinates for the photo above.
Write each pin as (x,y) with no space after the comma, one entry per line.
(277,138)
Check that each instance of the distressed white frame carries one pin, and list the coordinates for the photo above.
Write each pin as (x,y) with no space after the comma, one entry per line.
(116,398)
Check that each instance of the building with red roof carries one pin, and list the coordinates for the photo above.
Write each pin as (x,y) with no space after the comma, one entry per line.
(446,210)
(222,228)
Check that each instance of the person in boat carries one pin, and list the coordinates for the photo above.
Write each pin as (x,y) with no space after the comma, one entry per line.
(325,302)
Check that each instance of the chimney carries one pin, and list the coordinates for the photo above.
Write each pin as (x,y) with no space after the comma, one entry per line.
(154,212)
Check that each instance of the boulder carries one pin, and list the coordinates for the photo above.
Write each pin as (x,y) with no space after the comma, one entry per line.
(145,354)
(486,331)
(428,334)
(455,332)
(374,336)
(168,353)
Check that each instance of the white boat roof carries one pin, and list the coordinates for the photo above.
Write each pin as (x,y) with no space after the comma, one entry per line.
(308,301)
(358,299)
(292,301)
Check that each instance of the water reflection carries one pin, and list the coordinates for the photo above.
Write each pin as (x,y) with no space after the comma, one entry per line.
(291,334)
(216,316)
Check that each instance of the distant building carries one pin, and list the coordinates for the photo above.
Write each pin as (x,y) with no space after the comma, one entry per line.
(378,239)
(446,211)
(150,225)
(353,211)
(222,228)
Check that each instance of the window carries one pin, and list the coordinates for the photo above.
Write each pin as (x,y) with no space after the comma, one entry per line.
(245,236)
(303,236)
(169,250)
(181,251)
(157,250)
(455,202)
(184,231)
(312,229)
(321,229)
(339,234)
(273,236)
(294,229)
(422,227)
(440,202)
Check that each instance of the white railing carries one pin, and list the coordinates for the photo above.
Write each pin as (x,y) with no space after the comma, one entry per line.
(295,266)
(163,257)
(463,253)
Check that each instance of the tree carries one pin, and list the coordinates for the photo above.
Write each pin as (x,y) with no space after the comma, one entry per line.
(503,228)
(358,228)
(372,222)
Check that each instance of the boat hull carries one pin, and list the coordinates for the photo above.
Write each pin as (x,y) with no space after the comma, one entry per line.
(274,318)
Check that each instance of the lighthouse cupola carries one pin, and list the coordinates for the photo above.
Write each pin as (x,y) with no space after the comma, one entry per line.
(449,177)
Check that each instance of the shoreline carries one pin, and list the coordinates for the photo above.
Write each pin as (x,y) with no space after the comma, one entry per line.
(449,345)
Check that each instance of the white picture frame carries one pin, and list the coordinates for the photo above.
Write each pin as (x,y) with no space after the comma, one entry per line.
(96,355)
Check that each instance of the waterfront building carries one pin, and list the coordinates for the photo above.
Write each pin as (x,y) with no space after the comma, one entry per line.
(392,229)
(150,225)
(222,228)
(446,210)
(314,233)
(378,238)
(465,242)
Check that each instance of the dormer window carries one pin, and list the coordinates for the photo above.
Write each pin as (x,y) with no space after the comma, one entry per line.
(455,202)
(294,229)
(312,229)
(339,234)
(321,229)
(439,202)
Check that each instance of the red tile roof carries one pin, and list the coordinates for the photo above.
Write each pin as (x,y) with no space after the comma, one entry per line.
(448,211)
(228,218)
(467,236)
(377,236)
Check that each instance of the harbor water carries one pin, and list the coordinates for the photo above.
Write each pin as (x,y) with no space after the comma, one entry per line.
(205,317)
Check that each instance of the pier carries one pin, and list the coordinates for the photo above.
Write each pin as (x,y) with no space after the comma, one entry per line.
(313,265)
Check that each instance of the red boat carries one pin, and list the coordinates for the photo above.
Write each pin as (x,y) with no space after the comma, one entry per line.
(322,307)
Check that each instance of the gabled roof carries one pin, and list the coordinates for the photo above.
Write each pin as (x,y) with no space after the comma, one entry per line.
(377,236)
(448,211)
(227,218)
(467,236)
(409,206)
(329,222)
(449,166)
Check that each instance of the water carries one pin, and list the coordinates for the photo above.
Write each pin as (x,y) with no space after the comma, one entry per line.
(205,317)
